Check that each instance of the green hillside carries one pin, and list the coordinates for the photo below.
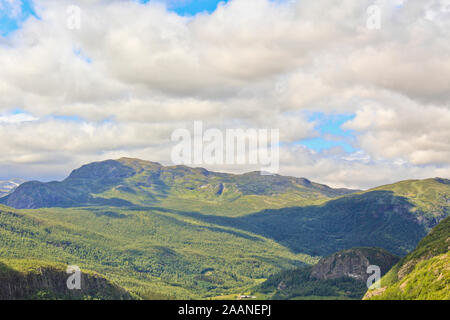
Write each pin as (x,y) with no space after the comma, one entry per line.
(340,276)
(430,198)
(39,280)
(384,217)
(423,274)
(153,254)
(127,182)
(180,232)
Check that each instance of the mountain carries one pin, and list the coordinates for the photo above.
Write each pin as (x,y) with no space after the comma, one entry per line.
(37,280)
(394,217)
(304,216)
(179,232)
(126,182)
(423,274)
(429,199)
(342,275)
(8,186)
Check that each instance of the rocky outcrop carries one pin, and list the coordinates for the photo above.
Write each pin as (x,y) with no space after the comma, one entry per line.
(353,263)
(50,282)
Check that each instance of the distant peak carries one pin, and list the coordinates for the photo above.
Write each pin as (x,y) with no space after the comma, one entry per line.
(102,169)
(131,159)
(126,160)
(442,180)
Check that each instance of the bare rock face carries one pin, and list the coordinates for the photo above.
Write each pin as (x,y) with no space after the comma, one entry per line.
(353,263)
(48,282)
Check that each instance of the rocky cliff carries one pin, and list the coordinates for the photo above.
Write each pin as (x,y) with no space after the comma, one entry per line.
(35,280)
(353,263)
(339,276)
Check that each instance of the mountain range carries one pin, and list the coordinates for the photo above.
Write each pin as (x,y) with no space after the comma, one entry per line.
(127,182)
(179,232)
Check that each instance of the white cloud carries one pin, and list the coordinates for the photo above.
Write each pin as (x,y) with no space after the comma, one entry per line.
(16,118)
(417,134)
(252,63)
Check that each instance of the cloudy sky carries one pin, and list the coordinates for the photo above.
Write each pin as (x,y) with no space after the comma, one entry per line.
(356,106)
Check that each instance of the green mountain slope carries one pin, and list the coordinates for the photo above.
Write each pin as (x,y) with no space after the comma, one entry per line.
(164,232)
(422,274)
(342,275)
(153,254)
(38,280)
(430,198)
(126,182)
(305,217)
(380,217)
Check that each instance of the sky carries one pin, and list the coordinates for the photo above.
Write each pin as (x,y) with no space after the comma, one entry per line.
(356,106)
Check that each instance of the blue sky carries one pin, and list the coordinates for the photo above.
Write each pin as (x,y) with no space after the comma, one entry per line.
(191,7)
(79,53)
(10,22)
(330,133)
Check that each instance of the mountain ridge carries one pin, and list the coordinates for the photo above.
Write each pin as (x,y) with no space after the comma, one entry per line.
(87,185)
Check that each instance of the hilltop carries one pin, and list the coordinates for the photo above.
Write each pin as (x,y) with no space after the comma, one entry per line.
(422,274)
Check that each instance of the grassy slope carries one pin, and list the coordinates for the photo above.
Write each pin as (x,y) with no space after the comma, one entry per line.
(394,217)
(302,217)
(422,274)
(430,198)
(153,254)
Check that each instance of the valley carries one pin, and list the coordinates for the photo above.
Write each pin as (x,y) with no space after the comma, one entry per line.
(187,233)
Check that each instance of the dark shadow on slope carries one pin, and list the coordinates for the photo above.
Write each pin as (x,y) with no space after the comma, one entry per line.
(373,219)
(197,216)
